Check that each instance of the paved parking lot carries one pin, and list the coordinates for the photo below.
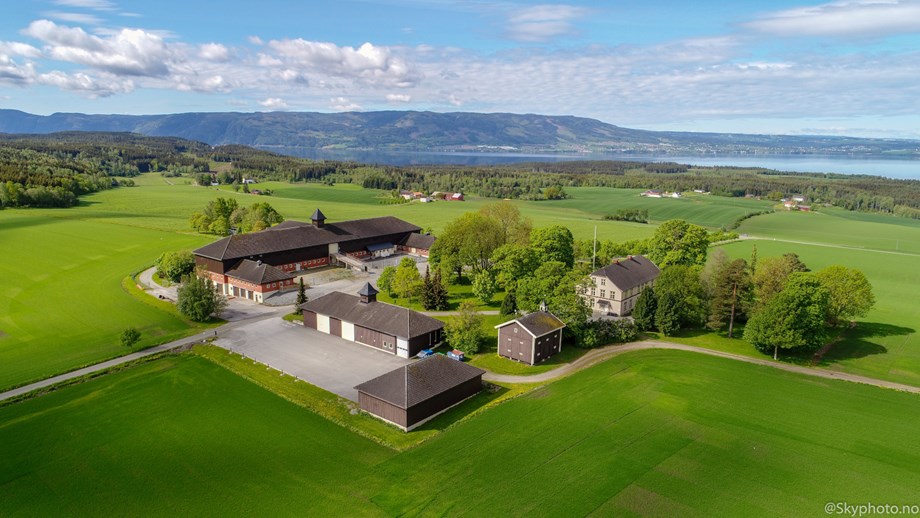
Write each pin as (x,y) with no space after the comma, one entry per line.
(326,361)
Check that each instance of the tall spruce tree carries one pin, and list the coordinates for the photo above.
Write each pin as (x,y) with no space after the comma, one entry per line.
(428,290)
(301,297)
(509,304)
(439,292)
(731,295)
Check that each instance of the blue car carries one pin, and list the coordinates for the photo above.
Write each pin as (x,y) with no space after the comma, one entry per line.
(425,353)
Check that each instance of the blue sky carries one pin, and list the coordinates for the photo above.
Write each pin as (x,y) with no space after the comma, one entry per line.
(845,67)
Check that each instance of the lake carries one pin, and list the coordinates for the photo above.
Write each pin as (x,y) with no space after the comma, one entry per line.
(872,165)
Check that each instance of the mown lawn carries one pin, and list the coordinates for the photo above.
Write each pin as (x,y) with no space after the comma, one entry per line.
(64,305)
(665,433)
(457,292)
(660,433)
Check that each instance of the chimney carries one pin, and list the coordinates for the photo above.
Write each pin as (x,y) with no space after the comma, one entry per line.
(543,306)
(259,262)
(318,219)
(368,293)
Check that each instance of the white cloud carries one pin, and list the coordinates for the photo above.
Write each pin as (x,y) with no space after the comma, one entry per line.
(368,63)
(255,40)
(214,52)
(14,73)
(343,104)
(16,48)
(857,18)
(398,98)
(545,22)
(274,103)
(89,19)
(128,52)
(86,85)
(99,5)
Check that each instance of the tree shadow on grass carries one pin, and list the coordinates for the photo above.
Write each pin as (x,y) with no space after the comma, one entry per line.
(861,341)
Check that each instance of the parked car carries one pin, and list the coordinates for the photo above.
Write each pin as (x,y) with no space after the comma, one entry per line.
(425,353)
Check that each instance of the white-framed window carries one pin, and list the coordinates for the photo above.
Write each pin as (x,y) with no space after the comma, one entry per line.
(603,281)
(603,294)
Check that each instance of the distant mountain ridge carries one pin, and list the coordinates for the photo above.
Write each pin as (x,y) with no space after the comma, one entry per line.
(430,131)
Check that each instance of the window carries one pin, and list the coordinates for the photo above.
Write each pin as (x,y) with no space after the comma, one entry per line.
(593,292)
(603,294)
(603,281)
(515,332)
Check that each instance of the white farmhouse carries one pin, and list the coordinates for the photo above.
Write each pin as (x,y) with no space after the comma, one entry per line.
(615,288)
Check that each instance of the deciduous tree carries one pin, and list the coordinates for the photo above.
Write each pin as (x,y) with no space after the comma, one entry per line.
(554,244)
(850,293)
(464,331)
(198,300)
(643,312)
(512,262)
(794,319)
(130,336)
(771,275)
(484,286)
(173,265)
(385,281)
(678,242)
(407,281)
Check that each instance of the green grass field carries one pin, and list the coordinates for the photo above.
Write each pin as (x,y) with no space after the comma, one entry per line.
(839,227)
(64,305)
(885,343)
(178,436)
(647,433)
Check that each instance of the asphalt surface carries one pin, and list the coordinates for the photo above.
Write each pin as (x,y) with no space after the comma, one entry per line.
(329,362)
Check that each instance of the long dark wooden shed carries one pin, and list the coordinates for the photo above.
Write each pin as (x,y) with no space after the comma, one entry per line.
(411,395)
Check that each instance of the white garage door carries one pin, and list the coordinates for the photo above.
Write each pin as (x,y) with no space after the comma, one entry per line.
(322,323)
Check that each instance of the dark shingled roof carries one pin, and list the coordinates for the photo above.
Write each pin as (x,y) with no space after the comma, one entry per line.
(317,215)
(367,290)
(423,241)
(256,273)
(408,386)
(294,235)
(379,316)
(629,272)
(538,323)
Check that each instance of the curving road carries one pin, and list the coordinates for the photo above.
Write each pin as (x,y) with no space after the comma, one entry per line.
(603,353)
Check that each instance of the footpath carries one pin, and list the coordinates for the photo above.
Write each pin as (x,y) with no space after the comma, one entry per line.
(597,355)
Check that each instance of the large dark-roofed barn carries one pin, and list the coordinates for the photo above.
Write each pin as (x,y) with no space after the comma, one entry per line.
(411,395)
(364,320)
(293,246)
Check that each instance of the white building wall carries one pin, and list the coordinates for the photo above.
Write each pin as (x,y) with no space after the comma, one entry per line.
(322,323)
(333,248)
(348,331)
